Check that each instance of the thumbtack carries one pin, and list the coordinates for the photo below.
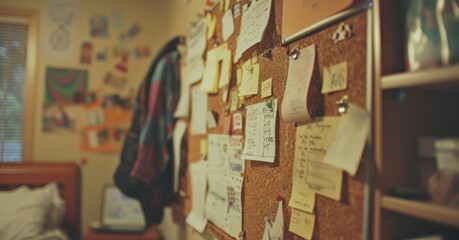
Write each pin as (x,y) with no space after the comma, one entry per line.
(294,53)
(279,198)
(268,54)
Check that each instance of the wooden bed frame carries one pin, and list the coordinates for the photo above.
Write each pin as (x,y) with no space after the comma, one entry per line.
(66,175)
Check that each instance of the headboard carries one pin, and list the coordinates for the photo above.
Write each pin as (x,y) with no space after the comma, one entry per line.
(66,175)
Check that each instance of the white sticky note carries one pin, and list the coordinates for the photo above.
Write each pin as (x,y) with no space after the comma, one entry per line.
(260,134)
(250,79)
(346,150)
(295,105)
(335,78)
(237,121)
(227,25)
(267,88)
(196,217)
(277,231)
(234,99)
(196,45)
(198,111)
(179,132)
(302,223)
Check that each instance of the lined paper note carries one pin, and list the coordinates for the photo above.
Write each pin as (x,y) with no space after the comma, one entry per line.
(196,217)
(346,150)
(250,77)
(253,24)
(260,131)
(309,171)
(225,152)
(302,198)
(294,105)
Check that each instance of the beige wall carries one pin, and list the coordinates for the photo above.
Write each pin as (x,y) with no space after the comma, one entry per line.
(160,21)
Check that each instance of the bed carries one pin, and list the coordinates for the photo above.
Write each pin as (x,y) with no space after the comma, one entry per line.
(37,176)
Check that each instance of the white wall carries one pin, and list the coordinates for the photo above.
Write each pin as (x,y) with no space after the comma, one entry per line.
(160,20)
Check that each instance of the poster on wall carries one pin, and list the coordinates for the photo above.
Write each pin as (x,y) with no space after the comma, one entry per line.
(62,83)
(59,119)
(62,19)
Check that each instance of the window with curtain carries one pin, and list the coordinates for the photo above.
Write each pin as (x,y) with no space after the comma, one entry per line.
(13,50)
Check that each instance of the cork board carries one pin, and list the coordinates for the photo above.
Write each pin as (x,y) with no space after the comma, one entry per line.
(264,181)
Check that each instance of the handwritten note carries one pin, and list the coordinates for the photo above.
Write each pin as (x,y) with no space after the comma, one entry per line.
(260,131)
(335,78)
(223,203)
(199,111)
(302,223)
(196,45)
(309,170)
(225,152)
(179,131)
(302,198)
(227,25)
(267,88)
(346,151)
(196,217)
(294,105)
(253,24)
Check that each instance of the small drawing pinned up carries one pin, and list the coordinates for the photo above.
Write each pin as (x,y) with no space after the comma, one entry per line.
(343,32)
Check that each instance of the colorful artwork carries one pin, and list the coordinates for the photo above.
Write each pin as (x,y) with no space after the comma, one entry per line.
(141,52)
(58,118)
(62,83)
(131,32)
(99,26)
(102,55)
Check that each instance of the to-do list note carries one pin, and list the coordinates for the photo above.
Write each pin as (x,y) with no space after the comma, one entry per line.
(260,132)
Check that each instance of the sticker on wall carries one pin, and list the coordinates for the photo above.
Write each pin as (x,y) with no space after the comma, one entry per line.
(58,119)
(120,50)
(114,80)
(102,55)
(86,53)
(133,31)
(99,26)
(118,18)
(123,65)
(62,83)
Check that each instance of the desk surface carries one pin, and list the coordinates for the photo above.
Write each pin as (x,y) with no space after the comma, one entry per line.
(151,234)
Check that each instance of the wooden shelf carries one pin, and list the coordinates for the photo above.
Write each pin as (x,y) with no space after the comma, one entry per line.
(437,76)
(423,210)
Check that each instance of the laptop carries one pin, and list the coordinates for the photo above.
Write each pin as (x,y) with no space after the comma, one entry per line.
(120,213)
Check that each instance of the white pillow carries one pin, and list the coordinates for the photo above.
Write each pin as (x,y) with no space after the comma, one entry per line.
(27,213)
(57,206)
(23,213)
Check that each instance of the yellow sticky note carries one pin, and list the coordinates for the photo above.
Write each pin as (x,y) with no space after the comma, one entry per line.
(225,72)
(250,77)
(211,23)
(239,76)
(302,223)
(203,147)
(335,78)
(266,88)
(234,98)
(254,57)
(302,198)
(210,79)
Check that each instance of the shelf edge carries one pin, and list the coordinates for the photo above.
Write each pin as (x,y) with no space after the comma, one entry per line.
(421,78)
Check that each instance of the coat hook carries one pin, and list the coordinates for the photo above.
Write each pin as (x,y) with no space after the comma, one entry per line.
(343,104)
